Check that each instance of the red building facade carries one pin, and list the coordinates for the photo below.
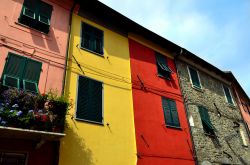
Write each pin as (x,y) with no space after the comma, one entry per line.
(161,125)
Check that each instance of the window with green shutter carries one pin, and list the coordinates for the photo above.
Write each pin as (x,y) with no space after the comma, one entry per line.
(92,39)
(205,119)
(194,77)
(21,72)
(162,66)
(36,14)
(228,94)
(89,100)
(170,112)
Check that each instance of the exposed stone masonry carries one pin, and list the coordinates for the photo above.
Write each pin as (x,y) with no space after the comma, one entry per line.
(226,118)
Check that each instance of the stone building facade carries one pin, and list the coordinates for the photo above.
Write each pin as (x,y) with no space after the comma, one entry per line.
(228,142)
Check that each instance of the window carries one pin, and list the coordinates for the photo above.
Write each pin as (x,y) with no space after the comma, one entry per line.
(162,66)
(170,112)
(89,100)
(21,72)
(7,158)
(36,14)
(206,123)
(92,39)
(194,77)
(228,94)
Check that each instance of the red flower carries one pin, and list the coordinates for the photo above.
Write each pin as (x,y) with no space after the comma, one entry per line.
(44,118)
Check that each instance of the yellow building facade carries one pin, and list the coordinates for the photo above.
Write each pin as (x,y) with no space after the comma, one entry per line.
(111,141)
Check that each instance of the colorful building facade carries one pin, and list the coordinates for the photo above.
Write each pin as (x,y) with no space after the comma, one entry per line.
(101,123)
(217,127)
(161,125)
(33,42)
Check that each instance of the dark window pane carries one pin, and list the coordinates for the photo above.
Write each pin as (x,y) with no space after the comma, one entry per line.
(162,67)
(228,95)
(92,38)
(195,77)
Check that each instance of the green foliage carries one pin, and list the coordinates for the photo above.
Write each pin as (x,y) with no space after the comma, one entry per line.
(24,109)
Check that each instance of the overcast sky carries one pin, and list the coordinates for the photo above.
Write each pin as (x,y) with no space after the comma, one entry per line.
(215,30)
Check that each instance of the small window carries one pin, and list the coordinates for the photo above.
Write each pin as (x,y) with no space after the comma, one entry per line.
(89,100)
(92,39)
(21,72)
(228,94)
(205,119)
(195,79)
(162,66)
(170,112)
(36,14)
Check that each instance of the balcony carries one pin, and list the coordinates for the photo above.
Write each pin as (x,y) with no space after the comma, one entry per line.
(28,115)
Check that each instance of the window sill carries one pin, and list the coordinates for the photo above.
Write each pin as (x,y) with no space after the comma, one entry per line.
(231,105)
(174,127)
(89,121)
(197,88)
(88,50)
(38,31)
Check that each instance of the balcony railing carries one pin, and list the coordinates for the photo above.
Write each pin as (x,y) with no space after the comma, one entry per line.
(31,112)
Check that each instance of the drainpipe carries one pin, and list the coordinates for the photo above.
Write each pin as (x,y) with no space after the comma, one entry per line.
(185,106)
(67,50)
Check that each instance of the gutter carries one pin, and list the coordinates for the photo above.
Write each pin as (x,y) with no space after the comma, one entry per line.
(67,49)
(185,105)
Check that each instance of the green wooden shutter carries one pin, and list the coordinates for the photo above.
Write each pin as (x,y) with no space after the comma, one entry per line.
(170,112)
(13,70)
(175,118)
(162,67)
(195,77)
(228,94)
(32,70)
(207,125)
(166,110)
(92,38)
(98,41)
(14,66)
(29,13)
(31,75)
(89,100)
(44,16)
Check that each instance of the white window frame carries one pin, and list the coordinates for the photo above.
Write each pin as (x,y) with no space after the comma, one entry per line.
(229,93)
(190,79)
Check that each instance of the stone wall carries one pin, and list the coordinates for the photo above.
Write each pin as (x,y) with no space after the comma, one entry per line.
(226,118)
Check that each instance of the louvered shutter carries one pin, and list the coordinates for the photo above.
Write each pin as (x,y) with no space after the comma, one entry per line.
(92,38)
(208,126)
(175,118)
(194,77)
(170,112)
(29,13)
(162,67)
(13,70)
(166,110)
(89,100)
(14,65)
(44,16)
(31,75)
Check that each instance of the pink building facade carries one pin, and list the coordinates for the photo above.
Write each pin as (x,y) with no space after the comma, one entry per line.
(33,49)
(44,40)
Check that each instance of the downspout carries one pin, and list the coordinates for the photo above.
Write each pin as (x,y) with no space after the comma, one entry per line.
(185,106)
(67,49)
